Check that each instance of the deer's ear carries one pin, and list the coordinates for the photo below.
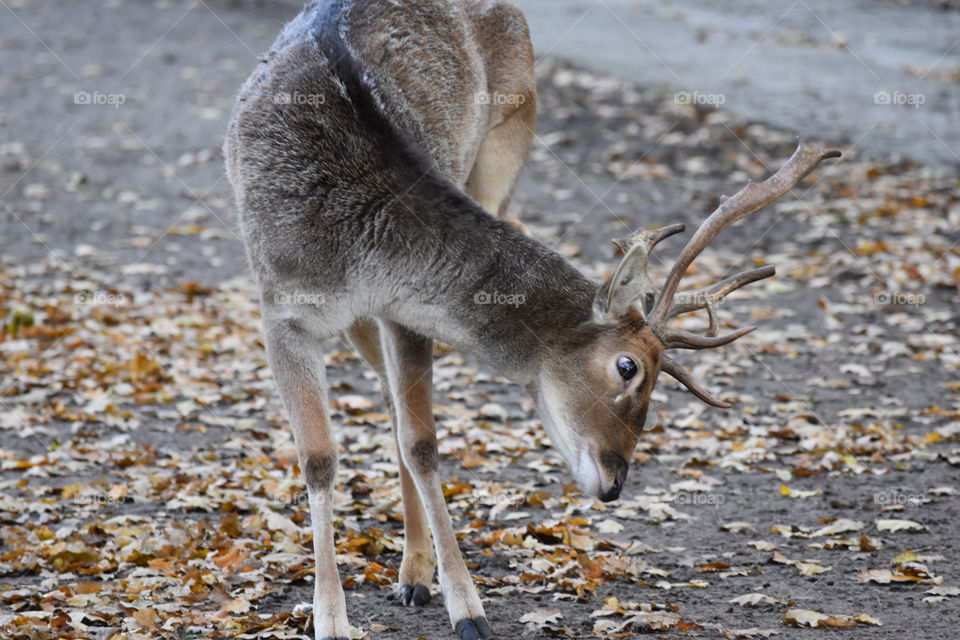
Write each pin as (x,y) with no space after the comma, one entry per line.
(630,285)
(601,301)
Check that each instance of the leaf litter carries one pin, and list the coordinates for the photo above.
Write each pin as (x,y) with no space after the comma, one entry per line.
(150,485)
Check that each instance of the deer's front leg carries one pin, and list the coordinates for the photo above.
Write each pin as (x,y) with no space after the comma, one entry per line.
(409,360)
(298,368)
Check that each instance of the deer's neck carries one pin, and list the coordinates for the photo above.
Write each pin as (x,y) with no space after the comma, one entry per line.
(477,283)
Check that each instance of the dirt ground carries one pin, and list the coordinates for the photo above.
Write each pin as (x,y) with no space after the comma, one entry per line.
(147,487)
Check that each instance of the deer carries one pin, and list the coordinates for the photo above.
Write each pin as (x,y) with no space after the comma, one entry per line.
(373,152)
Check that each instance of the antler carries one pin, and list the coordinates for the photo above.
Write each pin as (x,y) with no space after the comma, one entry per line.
(749,199)
(684,377)
(695,299)
(631,282)
(680,339)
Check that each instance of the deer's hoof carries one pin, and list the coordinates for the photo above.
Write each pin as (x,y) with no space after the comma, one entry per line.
(414,595)
(473,628)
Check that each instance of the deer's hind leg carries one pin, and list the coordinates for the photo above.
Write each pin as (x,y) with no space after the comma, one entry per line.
(416,568)
(500,158)
(298,368)
(508,56)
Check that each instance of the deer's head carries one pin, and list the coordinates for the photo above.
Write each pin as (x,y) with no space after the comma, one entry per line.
(593,394)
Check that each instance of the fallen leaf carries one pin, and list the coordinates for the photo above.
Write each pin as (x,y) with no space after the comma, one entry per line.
(899,525)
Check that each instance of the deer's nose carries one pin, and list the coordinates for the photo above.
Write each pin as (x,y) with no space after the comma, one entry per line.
(618,466)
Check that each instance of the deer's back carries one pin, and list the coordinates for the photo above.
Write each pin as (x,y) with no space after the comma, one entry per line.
(356,102)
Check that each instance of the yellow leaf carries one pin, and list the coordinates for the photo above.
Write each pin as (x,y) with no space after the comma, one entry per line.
(235,606)
(906,556)
(798,493)
(811,568)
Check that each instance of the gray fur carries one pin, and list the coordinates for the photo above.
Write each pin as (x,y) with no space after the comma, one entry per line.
(374,219)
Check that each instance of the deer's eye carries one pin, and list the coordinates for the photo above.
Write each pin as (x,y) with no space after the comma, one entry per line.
(626,367)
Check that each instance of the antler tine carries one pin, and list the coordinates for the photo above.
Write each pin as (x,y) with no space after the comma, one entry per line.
(685,378)
(751,198)
(630,281)
(695,299)
(680,339)
(714,327)
(648,238)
